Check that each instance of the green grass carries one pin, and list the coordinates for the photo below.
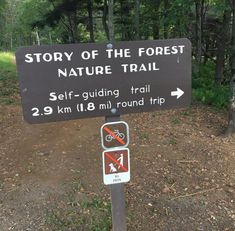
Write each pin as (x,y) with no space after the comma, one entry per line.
(79,211)
(101,218)
(7,61)
(186,112)
(144,136)
(8,79)
(175,121)
(91,215)
(172,141)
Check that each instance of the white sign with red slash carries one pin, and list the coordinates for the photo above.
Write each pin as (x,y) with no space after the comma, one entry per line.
(116,166)
(115,135)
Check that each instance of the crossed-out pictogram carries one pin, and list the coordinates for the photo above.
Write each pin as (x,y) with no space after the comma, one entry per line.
(116,166)
(115,135)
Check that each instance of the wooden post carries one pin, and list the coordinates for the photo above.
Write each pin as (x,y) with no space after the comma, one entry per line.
(117,197)
(117,190)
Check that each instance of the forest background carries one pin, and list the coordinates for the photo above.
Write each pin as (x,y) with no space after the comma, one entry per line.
(182,169)
(209,24)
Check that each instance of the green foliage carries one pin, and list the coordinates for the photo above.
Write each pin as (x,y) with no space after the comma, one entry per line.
(206,90)
(172,141)
(101,217)
(25,22)
(144,136)
(8,79)
(175,121)
(57,221)
(178,18)
(186,112)
(91,214)
(218,6)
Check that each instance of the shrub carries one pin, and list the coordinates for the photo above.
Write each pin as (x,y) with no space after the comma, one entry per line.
(206,90)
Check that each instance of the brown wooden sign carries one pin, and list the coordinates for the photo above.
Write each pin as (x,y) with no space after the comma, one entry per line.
(63,82)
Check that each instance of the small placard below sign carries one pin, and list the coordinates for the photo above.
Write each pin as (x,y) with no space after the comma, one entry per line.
(115,135)
(116,166)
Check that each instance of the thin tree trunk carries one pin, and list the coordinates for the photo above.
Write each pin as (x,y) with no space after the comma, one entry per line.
(165,31)
(221,44)
(72,23)
(231,120)
(91,27)
(198,5)
(38,38)
(122,21)
(205,52)
(156,21)
(104,19)
(75,23)
(11,42)
(126,21)
(50,38)
(156,29)
(137,19)
(110,21)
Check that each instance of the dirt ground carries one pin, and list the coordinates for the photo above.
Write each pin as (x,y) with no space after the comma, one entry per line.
(182,173)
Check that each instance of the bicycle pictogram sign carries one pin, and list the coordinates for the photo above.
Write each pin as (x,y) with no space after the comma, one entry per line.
(115,135)
(110,137)
(116,166)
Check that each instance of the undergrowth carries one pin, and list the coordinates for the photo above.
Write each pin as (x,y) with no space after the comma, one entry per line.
(80,211)
(8,79)
(207,91)
(91,215)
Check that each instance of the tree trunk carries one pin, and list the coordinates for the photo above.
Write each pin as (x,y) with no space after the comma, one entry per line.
(156,30)
(104,19)
(137,19)
(91,27)
(126,21)
(11,41)
(122,21)
(110,21)
(205,53)
(72,20)
(38,38)
(156,21)
(198,5)
(231,120)
(50,38)
(166,6)
(221,47)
